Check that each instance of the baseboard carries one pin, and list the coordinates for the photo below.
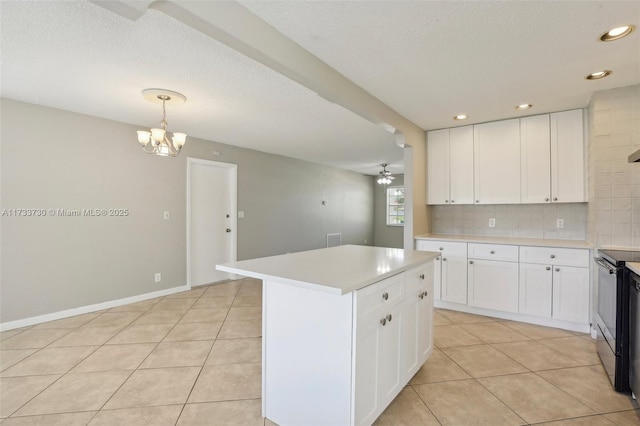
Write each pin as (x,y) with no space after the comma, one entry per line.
(89,308)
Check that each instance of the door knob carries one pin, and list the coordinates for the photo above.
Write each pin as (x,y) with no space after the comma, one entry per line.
(228,230)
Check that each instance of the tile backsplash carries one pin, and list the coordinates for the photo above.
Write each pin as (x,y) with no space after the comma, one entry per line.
(513,220)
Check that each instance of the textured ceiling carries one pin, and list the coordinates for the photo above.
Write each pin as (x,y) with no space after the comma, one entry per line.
(427,60)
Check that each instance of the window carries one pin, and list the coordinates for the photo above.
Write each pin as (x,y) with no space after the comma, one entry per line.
(395,206)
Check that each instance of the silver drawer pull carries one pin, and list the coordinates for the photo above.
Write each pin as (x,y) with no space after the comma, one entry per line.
(441,248)
(492,252)
(471,262)
(553,256)
(389,317)
(383,321)
(557,269)
(422,276)
(444,259)
(548,268)
(385,295)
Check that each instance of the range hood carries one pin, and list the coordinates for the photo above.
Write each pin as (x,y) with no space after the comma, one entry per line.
(635,157)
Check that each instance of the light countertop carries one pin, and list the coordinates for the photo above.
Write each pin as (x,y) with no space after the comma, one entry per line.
(337,270)
(634,267)
(520,241)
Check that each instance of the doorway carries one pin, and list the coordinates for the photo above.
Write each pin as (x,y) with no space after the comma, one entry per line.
(211,220)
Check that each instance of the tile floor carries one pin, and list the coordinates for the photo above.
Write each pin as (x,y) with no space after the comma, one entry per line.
(193,358)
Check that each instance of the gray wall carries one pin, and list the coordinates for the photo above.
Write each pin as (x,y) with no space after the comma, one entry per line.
(515,220)
(54,159)
(384,235)
(614,184)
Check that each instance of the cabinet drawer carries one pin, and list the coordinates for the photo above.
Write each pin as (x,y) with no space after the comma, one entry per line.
(503,252)
(418,278)
(447,248)
(380,296)
(554,256)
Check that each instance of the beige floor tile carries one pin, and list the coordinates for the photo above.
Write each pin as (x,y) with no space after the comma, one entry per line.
(407,409)
(236,351)
(232,413)
(76,392)
(247,301)
(494,332)
(115,357)
(87,336)
(179,304)
(268,422)
(544,401)
(597,420)
(250,287)
(535,356)
(589,386)
(154,387)
(165,415)
(194,331)
(466,402)
(146,333)
(440,319)
(581,350)
(229,288)
(159,317)
(17,391)
(439,368)
(143,306)
(4,335)
(50,361)
(244,313)
(537,331)
(214,302)
(71,322)
(228,382)
(453,335)
(623,418)
(193,293)
(108,319)
(483,361)
(240,329)
(13,356)
(178,354)
(64,419)
(205,315)
(464,318)
(33,339)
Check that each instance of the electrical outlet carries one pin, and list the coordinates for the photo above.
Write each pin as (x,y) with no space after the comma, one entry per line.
(492,222)
(158,277)
(559,223)
(166,215)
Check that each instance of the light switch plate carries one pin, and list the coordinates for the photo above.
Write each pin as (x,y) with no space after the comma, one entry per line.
(492,222)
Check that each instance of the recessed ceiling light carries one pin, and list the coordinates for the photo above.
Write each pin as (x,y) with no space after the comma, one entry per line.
(460,117)
(617,33)
(599,74)
(523,106)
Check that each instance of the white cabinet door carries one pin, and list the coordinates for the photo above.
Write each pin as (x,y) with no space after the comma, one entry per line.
(366,376)
(438,167)
(535,289)
(493,285)
(425,322)
(417,317)
(535,156)
(390,377)
(461,165)
(437,278)
(567,157)
(454,279)
(497,162)
(571,294)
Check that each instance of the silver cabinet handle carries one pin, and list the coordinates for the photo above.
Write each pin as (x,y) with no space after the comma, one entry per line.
(421,295)
(555,198)
(453,201)
(553,256)
(426,293)
(446,201)
(438,258)
(444,259)
(389,317)
(471,262)
(548,268)
(441,248)
(422,276)
(383,321)
(477,201)
(546,199)
(492,252)
(228,230)
(385,295)
(557,269)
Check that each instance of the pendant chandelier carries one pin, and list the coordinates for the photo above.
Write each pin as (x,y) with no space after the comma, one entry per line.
(155,140)
(385,177)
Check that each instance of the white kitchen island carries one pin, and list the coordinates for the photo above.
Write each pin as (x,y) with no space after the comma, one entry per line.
(343,330)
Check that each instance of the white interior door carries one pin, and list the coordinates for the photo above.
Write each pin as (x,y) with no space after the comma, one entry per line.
(211,220)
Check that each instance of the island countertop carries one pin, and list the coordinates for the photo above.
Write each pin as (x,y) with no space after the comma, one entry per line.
(337,270)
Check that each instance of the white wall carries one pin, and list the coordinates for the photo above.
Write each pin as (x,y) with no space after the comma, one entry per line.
(54,159)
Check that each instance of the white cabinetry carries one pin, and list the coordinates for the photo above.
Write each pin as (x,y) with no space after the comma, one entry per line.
(450,166)
(450,269)
(567,157)
(493,284)
(497,162)
(554,283)
(552,158)
(418,311)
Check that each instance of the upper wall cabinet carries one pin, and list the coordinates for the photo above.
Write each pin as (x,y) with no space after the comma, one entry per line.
(567,157)
(497,162)
(450,166)
(552,160)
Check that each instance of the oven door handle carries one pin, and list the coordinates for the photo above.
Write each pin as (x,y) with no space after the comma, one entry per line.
(603,263)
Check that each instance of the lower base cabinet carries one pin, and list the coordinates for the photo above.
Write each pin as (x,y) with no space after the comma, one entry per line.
(493,285)
(536,290)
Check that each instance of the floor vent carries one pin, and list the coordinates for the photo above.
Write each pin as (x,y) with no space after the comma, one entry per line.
(334,240)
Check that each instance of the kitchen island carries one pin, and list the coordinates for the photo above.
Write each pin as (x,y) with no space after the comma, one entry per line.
(343,330)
